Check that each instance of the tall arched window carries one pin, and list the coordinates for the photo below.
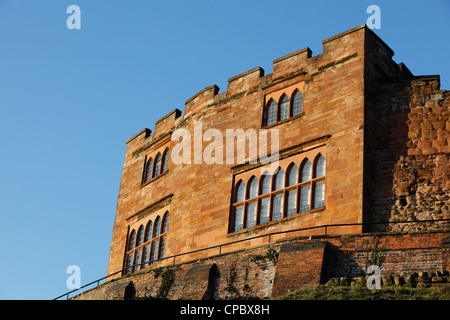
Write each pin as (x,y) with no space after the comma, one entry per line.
(279,180)
(264,202)
(278,199)
(157,165)
(292,175)
(149,170)
(319,181)
(271,112)
(164,228)
(306,170)
(240,193)
(157,227)
(284,107)
(250,218)
(140,236)
(305,186)
(320,167)
(130,256)
(253,188)
(165,223)
(132,240)
(297,103)
(148,231)
(291,192)
(165,160)
(266,183)
(239,209)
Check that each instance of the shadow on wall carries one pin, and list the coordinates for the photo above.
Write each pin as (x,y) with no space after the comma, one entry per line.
(411,179)
(340,263)
(212,291)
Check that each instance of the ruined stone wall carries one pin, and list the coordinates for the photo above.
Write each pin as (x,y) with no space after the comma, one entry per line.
(412,166)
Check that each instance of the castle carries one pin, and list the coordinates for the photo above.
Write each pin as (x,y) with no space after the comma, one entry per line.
(363,149)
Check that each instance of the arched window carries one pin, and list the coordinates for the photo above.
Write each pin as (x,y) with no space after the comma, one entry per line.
(157,165)
(265,183)
(253,188)
(147,244)
(306,170)
(297,103)
(157,227)
(148,231)
(291,194)
(271,112)
(292,175)
(140,236)
(319,181)
(240,191)
(301,188)
(305,187)
(132,240)
(165,160)
(149,170)
(239,210)
(165,223)
(320,167)
(284,107)
(279,180)
(278,199)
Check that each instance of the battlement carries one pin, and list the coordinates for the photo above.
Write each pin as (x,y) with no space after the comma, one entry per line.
(337,49)
(369,140)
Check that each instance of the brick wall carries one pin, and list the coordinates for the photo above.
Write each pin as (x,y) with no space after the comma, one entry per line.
(270,270)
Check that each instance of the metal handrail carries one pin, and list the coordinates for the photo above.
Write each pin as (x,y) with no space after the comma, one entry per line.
(326,226)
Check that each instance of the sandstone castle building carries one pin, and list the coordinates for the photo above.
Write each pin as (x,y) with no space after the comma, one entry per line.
(364,150)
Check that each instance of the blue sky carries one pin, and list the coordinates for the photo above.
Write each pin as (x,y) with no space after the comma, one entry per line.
(70,99)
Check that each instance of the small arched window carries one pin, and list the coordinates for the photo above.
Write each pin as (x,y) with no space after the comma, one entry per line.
(284,107)
(149,170)
(140,236)
(165,160)
(279,180)
(132,240)
(306,170)
(319,181)
(265,183)
(297,103)
(292,175)
(271,112)
(157,227)
(157,165)
(253,188)
(148,231)
(240,192)
(320,167)
(165,223)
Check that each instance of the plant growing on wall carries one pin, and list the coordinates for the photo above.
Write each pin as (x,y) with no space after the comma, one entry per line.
(376,255)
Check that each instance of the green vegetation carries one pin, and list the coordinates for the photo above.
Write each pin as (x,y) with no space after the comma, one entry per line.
(321,292)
